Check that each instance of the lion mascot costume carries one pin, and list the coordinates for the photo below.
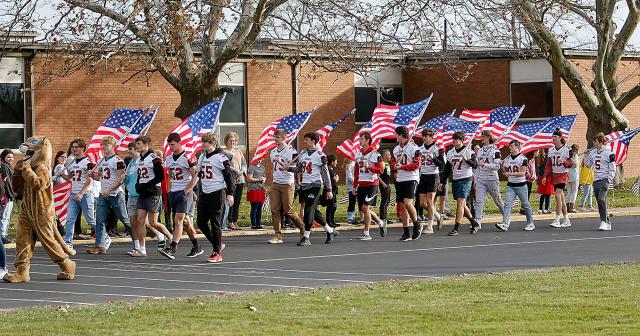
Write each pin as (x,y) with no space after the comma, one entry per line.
(32,179)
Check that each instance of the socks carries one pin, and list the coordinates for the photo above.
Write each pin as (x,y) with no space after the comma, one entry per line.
(194,242)
(136,244)
(456,226)
(328,228)
(160,236)
(174,246)
(366,232)
(307,234)
(406,229)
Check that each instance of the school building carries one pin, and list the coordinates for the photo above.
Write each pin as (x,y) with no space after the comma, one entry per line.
(266,86)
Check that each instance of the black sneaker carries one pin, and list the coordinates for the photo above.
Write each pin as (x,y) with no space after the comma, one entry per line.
(417,231)
(304,242)
(475,227)
(161,245)
(383,230)
(168,253)
(330,236)
(195,251)
(453,232)
(405,237)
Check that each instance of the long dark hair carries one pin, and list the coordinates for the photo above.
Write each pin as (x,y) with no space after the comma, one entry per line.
(4,154)
(55,161)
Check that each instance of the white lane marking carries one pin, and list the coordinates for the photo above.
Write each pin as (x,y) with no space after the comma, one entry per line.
(47,301)
(330,272)
(126,287)
(75,293)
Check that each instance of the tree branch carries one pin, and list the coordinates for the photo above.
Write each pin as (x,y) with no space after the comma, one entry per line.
(627,97)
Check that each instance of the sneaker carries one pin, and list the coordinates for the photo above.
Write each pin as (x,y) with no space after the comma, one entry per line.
(226,230)
(195,251)
(304,242)
(428,229)
(417,231)
(592,209)
(7,240)
(453,232)
(97,250)
(137,253)
(168,253)
(502,227)
(529,227)
(474,229)
(565,223)
(609,228)
(583,209)
(331,236)
(108,244)
(405,237)
(540,212)
(440,222)
(444,216)
(3,272)
(83,236)
(222,246)
(604,226)
(555,224)
(161,244)
(365,237)
(259,228)
(214,258)
(275,240)
(383,228)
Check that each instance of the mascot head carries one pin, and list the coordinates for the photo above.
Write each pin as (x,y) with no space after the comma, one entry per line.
(37,151)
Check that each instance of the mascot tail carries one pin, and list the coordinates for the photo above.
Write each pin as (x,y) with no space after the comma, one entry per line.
(60,241)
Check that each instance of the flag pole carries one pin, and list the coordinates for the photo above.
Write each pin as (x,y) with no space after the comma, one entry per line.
(424,109)
(515,120)
(217,121)
(155,113)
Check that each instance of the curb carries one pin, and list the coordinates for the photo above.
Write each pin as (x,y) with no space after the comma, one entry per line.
(344,227)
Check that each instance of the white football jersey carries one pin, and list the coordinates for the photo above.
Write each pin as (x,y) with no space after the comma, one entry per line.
(603,162)
(429,153)
(404,155)
(280,174)
(178,166)
(211,167)
(512,164)
(490,156)
(78,170)
(459,167)
(145,167)
(311,165)
(557,157)
(109,173)
(363,161)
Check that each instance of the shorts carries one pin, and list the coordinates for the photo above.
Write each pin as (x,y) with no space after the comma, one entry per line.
(309,195)
(150,203)
(179,201)
(461,188)
(428,183)
(132,205)
(559,186)
(192,207)
(367,195)
(405,189)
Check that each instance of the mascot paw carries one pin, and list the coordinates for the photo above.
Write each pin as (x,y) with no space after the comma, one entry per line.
(68,270)
(16,277)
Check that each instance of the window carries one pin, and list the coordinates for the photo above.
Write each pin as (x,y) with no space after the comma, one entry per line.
(532,86)
(233,115)
(12,116)
(380,86)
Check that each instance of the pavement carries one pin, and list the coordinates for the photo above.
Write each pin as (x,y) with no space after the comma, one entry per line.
(252,265)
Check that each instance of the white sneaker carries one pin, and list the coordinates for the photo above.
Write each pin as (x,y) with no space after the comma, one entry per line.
(609,228)
(3,272)
(604,226)
(428,229)
(108,244)
(565,223)
(540,212)
(275,241)
(529,227)
(479,225)
(502,227)
(556,224)
(583,209)
(365,237)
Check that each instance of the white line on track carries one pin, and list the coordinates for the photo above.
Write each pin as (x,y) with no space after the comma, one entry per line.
(49,301)
(75,293)
(329,272)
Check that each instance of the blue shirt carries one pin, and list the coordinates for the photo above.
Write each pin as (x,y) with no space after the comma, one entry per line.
(131,177)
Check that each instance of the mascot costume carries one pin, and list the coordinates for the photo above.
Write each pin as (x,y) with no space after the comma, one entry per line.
(32,179)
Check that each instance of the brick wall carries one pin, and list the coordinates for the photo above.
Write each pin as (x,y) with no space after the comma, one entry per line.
(486,86)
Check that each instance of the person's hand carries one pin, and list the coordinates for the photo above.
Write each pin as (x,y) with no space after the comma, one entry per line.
(544,180)
(95,175)
(263,180)
(188,190)
(104,194)
(329,195)
(354,192)
(397,166)
(440,186)
(78,197)
(229,200)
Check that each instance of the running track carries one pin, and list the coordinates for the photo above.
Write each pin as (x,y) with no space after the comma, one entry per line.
(252,265)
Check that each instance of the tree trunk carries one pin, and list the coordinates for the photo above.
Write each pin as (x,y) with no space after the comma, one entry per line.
(194,96)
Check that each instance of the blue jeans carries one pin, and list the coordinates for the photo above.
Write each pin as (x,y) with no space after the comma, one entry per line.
(5,218)
(256,214)
(119,206)
(225,216)
(74,207)
(522,193)
(587,193)
(3,256)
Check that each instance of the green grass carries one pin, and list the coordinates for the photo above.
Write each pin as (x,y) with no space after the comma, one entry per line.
(621,197)
(591,300)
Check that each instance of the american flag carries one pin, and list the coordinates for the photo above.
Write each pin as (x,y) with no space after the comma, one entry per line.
(544,138)
(349,146)
(475,115)
(500,120)
(118,124)
(444,137)
(635,188)
(521,133)
(191,130)
(140,128)
(61,195)
(292,124)
(434,123)
(620,146)
(325,131)
(613,135)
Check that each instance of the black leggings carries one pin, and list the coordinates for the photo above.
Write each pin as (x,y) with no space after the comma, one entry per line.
(331,211)
(385,198)
(545,200)
(210,209)
(235,208)
(311,199)
(352,202)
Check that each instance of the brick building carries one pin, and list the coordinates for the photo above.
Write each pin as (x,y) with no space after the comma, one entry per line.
(265,88)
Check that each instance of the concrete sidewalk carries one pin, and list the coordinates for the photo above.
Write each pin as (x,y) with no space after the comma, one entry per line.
(489,219)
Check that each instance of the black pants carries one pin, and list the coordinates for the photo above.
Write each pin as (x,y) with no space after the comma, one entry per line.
(352,203)
(210,210)
(331,211)
(385,198)
(311,200)
(544,202)
(235,208)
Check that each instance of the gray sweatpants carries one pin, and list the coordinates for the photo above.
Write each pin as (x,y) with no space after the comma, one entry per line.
(484,187)
(600,189)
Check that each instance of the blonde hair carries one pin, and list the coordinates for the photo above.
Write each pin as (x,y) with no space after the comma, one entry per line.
(159,153)
(212,138)
(229,136)
(108,140)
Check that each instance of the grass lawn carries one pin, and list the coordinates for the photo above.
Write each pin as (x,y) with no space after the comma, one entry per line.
(589,300)
(619,198)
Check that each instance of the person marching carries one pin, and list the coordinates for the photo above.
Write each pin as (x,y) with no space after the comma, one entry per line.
(182,178)
(406,162)
(365,183)
(514,167)
(603,162)
(312,165)
(283,187)
(217,187)
(432,163)
(111,172)
(557,172)
(487,177)
(460,163)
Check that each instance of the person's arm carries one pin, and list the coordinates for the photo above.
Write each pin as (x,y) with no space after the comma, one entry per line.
(547,168)
(229,180)
(612,166)
(158,172)
(193,171)
(356,175)
(378,168)
(495,165)
(448,169)
(324,173)
(472,161)
(88,182)
(414,164)
(522,170)
(439,160)
(121,175)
